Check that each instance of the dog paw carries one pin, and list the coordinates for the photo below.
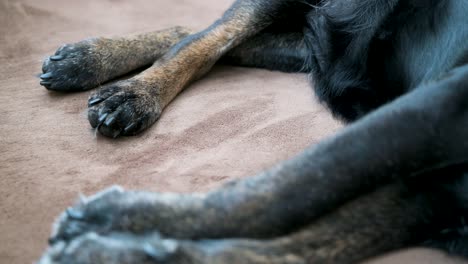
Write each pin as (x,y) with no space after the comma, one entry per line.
(151,248)
(116,210)
(74,67)
(96,213)
(124,108)
(119,248)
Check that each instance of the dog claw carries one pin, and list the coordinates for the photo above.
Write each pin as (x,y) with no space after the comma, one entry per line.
(56,58)
(109,121)
(153,253)
(46,76)
(116,134)
(94,101)
(129,127)
(45,83)
(53,240)
(102,118)
(75,214)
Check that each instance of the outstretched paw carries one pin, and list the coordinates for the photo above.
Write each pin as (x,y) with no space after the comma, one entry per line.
(151,248)
(116,210)
(90,214)
(119,248)
(74,67)
(123,109)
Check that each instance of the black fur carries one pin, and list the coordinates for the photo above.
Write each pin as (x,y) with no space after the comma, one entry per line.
(364,54)
(367,54)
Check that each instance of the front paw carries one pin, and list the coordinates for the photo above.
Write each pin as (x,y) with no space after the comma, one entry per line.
(124,108)
(97,213)
(121,248)
(116,210)
(74,67)
(151,248)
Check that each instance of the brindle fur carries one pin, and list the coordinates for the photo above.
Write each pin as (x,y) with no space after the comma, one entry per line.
(89,63)
(394,178)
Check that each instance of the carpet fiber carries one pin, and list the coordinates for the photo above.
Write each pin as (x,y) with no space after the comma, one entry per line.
(232,124)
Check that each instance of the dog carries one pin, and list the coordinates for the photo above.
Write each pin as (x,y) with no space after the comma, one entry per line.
(395,176)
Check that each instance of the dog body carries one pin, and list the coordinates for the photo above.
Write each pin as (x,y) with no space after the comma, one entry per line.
(395,177)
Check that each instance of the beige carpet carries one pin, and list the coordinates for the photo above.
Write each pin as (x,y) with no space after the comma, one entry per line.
(232,124)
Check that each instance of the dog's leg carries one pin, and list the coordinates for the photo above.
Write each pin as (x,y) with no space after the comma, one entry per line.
(388,218)
(424,129)
(89,63)
(130,106)
(283,51)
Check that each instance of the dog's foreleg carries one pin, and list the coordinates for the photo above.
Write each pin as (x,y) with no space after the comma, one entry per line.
(419,132)
(271,50)
(89,63)
(389,218)
(130,106)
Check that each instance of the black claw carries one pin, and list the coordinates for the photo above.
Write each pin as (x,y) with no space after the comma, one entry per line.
(53,240)
(46,76)
(95,101)
(45,65)
(153,253)
(45,83)
(75,214)
(129,127)
(109,121)
(56,58)
(102,118)
(116,133)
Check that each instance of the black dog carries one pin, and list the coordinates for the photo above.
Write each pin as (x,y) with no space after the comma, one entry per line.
(397,176)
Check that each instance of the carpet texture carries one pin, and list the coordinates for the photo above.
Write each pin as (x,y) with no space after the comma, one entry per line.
(232,124)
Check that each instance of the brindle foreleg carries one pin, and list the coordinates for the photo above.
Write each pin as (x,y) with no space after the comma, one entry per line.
(130,106)
(89,63)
